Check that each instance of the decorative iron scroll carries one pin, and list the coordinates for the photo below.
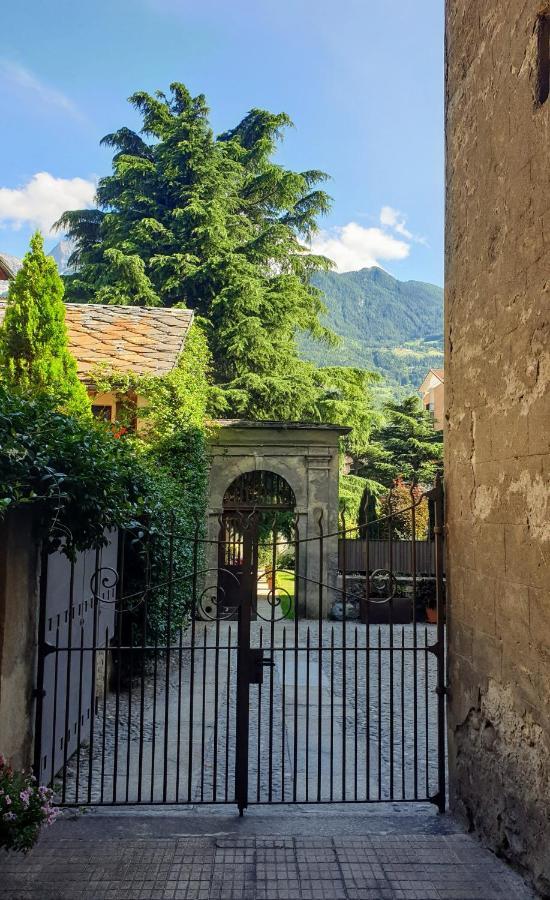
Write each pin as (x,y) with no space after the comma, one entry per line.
(211,603)
(105,578)
(273,598)
(383,580)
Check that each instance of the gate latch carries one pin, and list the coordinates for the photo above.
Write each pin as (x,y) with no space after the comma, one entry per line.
(257,661)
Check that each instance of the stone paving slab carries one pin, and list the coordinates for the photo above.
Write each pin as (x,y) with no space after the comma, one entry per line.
(139,857)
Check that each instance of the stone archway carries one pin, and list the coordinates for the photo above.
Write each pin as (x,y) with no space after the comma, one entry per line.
(306,456)
(257,506)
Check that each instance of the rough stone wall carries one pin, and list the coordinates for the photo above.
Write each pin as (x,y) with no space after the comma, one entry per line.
(497,385)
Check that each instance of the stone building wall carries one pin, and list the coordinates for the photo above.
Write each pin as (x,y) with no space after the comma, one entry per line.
(497,383)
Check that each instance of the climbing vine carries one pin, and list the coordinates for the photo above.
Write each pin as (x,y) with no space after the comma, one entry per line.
(171,444)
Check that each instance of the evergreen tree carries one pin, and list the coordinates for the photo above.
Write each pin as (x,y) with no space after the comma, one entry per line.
(345,398)
(406,446)
(214,224)
(34,355)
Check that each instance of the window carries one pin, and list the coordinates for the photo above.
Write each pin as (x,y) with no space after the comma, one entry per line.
(102,412)
(543,59)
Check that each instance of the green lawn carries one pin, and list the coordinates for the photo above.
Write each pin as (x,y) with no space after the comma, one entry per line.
(285,580)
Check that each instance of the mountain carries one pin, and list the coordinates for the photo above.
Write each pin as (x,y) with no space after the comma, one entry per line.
(61,253)
(386,325)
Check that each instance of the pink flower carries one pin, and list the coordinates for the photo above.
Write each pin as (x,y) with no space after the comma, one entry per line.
(8,800)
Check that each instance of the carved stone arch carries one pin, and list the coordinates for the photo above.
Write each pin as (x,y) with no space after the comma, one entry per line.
(306,456)
(230,467)
(259,489)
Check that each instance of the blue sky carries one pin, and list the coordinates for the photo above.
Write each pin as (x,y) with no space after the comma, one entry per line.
(362,80)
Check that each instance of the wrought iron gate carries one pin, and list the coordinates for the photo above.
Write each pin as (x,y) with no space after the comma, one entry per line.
(226,686)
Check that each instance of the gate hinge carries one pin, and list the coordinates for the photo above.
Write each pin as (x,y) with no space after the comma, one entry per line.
(47,648)
(36,693)
(442,691)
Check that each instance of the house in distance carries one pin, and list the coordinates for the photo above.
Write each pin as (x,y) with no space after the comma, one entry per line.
(122,340)
(432,392)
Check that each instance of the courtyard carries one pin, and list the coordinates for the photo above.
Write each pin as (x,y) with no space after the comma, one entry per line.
(345,713)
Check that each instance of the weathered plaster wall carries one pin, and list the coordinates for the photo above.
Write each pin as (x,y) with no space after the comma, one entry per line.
(19,603)
(497,384)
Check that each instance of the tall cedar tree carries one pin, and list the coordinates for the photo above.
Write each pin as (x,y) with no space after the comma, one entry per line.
(405,446)
(34,354)
(213,224)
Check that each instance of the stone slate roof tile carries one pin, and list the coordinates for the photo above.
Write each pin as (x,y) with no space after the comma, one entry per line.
(141,340)
(11,264)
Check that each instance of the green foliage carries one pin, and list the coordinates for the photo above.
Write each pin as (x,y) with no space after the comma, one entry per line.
(405,446)
(82,477)
(345,399)
(171,448)
(34,356)
(395,509)
(351,491)
(25,808)
(390,326)
(84,480)
(215,224)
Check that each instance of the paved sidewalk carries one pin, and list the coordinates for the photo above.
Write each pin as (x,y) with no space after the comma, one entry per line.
(270,855)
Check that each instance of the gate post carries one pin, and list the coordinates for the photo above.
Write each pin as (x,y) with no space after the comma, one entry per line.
(247,579)
(439,525)
(19,579)
(39,691)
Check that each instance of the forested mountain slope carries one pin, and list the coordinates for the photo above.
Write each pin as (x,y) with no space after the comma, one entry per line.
(394,327)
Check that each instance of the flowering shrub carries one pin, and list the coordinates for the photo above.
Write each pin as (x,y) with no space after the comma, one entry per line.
(24,808)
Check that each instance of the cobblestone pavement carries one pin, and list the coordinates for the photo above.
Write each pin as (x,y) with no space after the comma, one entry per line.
(291,857)
(356,721)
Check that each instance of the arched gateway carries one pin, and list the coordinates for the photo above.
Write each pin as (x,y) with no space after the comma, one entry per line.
(257,531)
(258,472)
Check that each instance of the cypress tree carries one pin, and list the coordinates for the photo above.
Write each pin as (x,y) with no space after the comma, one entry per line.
(34,354)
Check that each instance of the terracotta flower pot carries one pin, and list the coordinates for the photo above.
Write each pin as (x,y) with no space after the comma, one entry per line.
(431,615)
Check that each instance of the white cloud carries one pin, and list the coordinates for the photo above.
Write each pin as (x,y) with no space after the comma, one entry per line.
(18,76)
(354,247)
(40,202)
(396,220)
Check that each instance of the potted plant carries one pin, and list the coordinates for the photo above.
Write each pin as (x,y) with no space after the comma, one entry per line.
(431,611)
(25,807)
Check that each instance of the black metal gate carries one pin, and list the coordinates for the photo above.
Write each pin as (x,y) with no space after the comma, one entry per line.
(226,686)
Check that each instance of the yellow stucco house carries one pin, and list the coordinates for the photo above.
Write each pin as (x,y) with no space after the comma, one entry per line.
(432,392)
(122,340)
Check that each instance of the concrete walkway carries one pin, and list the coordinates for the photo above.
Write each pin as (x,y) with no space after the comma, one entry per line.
(390,853)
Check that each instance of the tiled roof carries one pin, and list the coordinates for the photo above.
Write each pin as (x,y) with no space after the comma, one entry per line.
(11,266)
(145,341)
